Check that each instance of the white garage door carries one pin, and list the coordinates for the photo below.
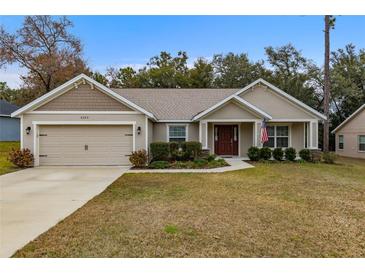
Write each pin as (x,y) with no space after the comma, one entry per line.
(85,144)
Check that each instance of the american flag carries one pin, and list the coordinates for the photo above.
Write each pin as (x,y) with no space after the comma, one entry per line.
(264,137)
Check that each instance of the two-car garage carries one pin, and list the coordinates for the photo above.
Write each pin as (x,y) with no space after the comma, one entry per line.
(85,144)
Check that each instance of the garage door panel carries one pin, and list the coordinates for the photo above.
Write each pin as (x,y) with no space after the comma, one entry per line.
(65,145)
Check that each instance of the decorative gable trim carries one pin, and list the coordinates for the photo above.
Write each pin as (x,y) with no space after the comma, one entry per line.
(74,83)
(237,99)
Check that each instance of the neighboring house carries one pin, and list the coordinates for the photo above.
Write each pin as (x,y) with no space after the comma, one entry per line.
(350,135)
(85,123)
(9,126)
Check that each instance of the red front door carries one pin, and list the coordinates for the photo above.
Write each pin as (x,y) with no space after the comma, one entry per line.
(226,139)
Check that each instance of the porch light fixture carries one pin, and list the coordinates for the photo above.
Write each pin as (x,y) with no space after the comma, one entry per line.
(139,130)
(27,130)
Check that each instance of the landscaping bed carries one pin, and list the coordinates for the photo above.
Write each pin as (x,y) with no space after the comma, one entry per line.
(197,164)
(173,155)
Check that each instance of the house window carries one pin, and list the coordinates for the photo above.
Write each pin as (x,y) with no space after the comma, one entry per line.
(340,141)
(362,143)
(278,136)
(177,133)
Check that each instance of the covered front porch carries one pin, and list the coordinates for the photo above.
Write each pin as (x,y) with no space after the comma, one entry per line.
(233,138)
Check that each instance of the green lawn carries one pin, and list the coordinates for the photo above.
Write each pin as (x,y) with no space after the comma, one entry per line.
(5,165)
(273,210)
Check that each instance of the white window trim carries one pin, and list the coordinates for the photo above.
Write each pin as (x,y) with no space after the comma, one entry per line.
(358,144)
(343,142)
(36,125)
(171,125)
(275,136)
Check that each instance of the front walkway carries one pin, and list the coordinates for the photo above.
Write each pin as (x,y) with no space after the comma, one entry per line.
(35,199)
(234,164)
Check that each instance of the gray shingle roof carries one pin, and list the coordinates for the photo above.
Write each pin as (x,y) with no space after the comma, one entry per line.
(6,108)
(175,104)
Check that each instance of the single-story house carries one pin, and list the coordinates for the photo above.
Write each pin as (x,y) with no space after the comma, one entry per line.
(350,135)
(83,122)
(9,126)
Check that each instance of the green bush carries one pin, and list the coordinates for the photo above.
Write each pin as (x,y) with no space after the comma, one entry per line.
(211,157)
(21,157)
(139,158)
(159,165)
(192,149)
(199,163)
(306,155)
(174,150)
(290,154)
(278,154)
(160,151)
(329,157)
(265,153)
(253,153)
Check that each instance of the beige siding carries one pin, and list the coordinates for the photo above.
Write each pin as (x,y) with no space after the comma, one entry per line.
(246,138)
(194,132)
(275,105)
(297,136)
(351,131)
(139,119)
(150,133)
(85,144)
(83,98)
(160,131)
(231,111)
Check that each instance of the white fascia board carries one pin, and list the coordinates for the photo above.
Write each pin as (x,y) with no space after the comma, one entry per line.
(234,97)
(348,118)
(59,89)
(284,94)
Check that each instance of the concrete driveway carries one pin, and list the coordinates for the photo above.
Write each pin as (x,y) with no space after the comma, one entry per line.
(33,200)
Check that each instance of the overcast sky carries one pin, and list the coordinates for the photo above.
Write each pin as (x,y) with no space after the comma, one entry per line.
(132,40)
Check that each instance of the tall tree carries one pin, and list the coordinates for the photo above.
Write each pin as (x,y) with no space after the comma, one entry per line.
(201,75)
(123,78)
(295,74)
(328,24)
(347,82)
(236,70)
(45,47)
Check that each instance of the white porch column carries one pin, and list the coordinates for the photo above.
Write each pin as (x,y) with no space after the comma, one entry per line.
(203,134)
(257,129)
(314,134)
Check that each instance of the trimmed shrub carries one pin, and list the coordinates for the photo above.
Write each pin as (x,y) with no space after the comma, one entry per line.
(253,153)
(192,149)
(160,151)
(174,150)
(290,154)
(306,155)
(159,165)
(278,154)
(21,157)
(211,157)
(139,158)
(265,153)
(329,157)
